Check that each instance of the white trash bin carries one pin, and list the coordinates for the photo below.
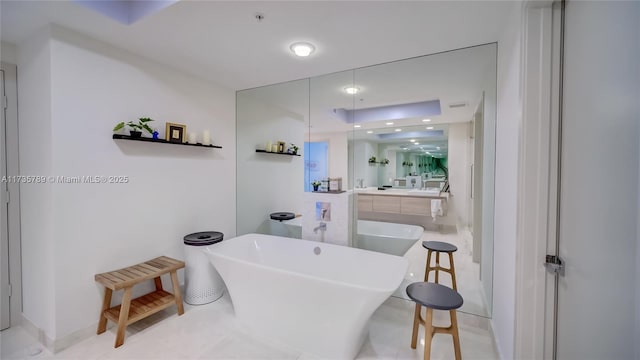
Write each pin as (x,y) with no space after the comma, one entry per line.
(203,284)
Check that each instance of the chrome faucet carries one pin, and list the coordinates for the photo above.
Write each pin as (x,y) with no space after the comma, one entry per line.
(321,227)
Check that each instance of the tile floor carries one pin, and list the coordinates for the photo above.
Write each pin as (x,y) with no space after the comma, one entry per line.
(212,332)
(467,272)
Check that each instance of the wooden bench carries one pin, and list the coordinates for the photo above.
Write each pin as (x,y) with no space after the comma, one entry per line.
(139,308)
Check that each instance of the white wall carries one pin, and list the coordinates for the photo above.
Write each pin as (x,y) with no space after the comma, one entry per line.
(339,227)
(508,119)
(172,190)
(338,158)
(459,171)
(36,208)
(8,52)
(363,150)
(268,183)
(386,172)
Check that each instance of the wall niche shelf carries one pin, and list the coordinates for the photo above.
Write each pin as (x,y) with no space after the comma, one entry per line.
(161,141)
(276,153)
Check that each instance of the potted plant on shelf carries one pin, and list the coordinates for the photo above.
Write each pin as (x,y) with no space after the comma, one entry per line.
(315,184)
(293,149)
(135,127)
(384,161)
(372,160)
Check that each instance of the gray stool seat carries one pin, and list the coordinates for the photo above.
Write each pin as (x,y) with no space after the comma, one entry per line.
(434,296)
(439,246)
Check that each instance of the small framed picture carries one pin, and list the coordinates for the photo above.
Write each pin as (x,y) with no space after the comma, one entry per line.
(175,132)
(281,146)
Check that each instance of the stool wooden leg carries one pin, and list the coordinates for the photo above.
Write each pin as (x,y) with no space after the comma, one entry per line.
(454,333)
(452,270)
(428,267)
(158,282)
(124,316)
(106,304)
(416,325)
(437,265)
(176,292)
(428,333)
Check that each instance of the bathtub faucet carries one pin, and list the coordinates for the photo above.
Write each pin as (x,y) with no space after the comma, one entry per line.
(321,227)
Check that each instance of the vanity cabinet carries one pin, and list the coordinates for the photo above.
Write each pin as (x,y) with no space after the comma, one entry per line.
(398,204)
(365,203)
(415,206)
(386,204)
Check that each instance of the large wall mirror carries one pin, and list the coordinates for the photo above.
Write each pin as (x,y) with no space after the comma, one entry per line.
(402,153)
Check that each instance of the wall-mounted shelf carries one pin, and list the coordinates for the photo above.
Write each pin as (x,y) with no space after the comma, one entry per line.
(276,153)
(160,141)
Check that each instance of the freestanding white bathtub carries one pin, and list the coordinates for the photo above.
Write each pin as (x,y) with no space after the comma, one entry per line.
(389,238)
(315,297)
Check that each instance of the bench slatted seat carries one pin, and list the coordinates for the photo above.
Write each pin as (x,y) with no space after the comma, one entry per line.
(132,310)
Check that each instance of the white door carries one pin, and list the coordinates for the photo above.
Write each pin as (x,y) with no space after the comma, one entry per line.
(597,298)
(5,320)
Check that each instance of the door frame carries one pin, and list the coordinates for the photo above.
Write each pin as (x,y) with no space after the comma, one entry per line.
(538,179)
(13,169)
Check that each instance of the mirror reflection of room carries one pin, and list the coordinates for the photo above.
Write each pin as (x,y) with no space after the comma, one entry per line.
(402,151)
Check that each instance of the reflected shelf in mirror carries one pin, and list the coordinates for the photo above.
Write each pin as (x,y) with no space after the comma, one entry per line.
(275,153)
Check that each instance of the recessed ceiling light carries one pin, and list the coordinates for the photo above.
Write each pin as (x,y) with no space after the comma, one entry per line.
(351,90)
(356,126)
(412,140)
(429,127)
(426,152)
(416,143)
(426,120)
(398,129)
(302,49)
(389,123)
(370,132)
(437,147)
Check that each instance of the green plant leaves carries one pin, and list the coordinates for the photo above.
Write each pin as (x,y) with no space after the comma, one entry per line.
(118,126)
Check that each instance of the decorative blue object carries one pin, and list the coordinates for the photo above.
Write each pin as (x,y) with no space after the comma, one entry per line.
(155,134)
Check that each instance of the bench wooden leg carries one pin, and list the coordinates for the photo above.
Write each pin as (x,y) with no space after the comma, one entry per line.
(454,333)
(158,282)
(106,304)
(416,325)
(124,316)
(176,292)
(437,266)
(428,333)
(452,271)
(428,267)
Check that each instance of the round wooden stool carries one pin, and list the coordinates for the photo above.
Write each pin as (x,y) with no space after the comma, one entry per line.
(439,297)
(438,247)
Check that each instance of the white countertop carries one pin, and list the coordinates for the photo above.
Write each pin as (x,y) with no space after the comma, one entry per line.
(402,192)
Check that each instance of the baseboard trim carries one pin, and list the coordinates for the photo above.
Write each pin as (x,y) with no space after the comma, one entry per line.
(57,345)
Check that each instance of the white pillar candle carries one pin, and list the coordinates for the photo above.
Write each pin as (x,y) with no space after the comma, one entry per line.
(206,137)
(192,138)
(268,147)
(274,148)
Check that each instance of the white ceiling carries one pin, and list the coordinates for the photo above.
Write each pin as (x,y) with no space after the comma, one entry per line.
(223,42)
(451,77)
